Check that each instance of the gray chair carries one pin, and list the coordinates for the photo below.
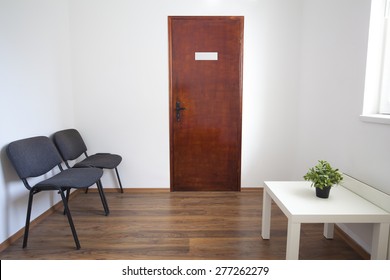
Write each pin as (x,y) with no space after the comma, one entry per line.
(72,146)
(36,156)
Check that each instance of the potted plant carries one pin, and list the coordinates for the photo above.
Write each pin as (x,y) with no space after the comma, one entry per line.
(323,178)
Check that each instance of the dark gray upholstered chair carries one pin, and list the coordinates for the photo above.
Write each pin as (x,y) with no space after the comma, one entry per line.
(72,146)
(36,156)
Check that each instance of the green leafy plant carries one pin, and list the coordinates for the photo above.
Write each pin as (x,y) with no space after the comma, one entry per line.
(323,175)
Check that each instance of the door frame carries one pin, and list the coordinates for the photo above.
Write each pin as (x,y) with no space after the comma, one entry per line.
(171,97)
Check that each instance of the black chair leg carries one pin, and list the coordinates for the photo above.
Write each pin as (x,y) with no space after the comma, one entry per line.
(119,179)
(72,227)
(67,197)
(103,197)
(28,216)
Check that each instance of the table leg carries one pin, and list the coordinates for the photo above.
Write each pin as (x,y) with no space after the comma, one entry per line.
(266,219)
(293,238)
(329,230)
(380,239)
(388,248)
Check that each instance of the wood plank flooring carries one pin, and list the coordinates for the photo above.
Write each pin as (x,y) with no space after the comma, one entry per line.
(160,225)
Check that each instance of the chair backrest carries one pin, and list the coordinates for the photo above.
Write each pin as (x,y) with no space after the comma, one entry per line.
(69,143)
(32,157)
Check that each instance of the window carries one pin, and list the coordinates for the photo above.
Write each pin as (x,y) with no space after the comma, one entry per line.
(377,85)
(384,107)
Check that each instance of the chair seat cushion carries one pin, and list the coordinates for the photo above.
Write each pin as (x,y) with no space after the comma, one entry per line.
(106,161)
(72,178)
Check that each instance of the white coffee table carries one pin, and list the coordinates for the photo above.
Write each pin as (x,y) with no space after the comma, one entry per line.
(298,202)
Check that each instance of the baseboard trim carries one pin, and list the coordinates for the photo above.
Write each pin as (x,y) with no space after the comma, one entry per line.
(352,243)
(157,190)
(131,190)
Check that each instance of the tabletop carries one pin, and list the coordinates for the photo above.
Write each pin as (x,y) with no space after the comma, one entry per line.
(298,201)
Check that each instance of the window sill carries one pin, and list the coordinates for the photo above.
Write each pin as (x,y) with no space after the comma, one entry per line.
(376,118)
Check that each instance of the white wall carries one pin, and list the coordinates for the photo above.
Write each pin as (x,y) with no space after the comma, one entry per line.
(35,89)
(334,48)
(120,82)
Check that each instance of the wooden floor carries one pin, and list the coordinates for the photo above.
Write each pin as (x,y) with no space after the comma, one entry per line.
(161,225)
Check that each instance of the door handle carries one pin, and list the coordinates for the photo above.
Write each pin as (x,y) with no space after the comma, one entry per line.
(178,109)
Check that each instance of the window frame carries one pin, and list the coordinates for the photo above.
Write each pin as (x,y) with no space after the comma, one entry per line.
(375,109)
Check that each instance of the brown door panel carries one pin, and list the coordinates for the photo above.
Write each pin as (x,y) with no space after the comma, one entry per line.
(205,141)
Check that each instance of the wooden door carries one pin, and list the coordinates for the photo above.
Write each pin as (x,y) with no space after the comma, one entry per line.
(205,102)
